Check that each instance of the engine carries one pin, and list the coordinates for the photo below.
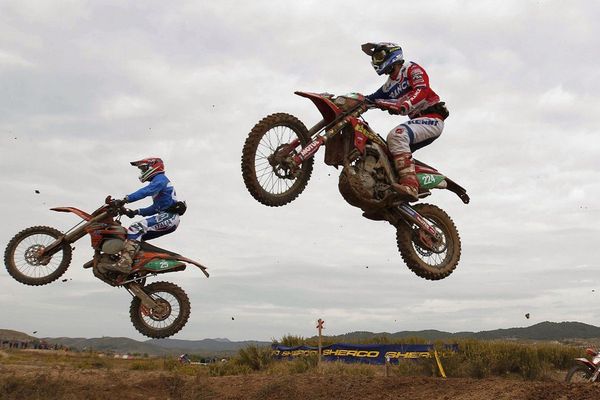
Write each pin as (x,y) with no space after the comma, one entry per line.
(363,183)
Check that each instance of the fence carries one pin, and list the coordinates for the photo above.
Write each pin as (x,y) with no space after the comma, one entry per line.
(367,353)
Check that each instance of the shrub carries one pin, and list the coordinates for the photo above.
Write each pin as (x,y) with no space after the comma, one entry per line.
(257,358)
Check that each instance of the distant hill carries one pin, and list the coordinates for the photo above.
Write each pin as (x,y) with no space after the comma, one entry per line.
(157,347)
(221,347)
(211,345)
(541,331)
(7,334)
(120,345)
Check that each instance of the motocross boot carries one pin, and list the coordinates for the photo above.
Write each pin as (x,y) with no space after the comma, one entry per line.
(126,257)
(407,184)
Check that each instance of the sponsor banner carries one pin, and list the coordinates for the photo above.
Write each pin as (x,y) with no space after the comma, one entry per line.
(363,353)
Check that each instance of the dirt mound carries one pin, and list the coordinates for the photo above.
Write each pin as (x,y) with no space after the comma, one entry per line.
(29,382)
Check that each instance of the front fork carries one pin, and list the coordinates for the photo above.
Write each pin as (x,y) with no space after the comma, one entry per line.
(596,374)
(72,236)
(282,156)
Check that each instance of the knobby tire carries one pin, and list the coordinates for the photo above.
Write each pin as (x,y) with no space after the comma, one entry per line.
(251,145)
(13,269)
(404,239)
(135,311)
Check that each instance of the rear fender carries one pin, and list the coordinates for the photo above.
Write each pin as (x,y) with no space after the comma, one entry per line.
(163,262)
(160,265)
(430,178)
(197,264)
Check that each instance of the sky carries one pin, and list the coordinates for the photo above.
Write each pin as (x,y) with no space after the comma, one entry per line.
(88,86)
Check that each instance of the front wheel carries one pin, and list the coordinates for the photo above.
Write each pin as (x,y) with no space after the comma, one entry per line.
(24,259)
(430,263)
(269,174)
(578,373)
(170,315)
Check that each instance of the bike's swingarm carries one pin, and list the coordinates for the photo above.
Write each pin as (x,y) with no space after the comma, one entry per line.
(137,291)
(411,215)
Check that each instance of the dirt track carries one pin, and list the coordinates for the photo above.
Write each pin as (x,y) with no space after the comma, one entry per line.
(29,382)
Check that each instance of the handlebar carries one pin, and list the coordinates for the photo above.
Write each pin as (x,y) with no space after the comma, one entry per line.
(114,206)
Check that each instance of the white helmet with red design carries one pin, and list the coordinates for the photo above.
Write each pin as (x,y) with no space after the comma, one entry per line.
(149,167)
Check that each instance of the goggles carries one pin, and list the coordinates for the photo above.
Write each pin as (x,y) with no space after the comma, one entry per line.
(379,56)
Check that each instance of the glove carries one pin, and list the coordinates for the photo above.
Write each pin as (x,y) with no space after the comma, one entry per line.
(393,107)
(118,203)
(403,110)
(131,213)
(390,106)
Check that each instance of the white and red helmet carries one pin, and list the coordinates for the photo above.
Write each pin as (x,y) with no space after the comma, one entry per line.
(149,167)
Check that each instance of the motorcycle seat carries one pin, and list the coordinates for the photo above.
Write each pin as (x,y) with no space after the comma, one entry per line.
(148,247)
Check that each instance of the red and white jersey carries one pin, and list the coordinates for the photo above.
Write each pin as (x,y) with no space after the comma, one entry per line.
(410,87)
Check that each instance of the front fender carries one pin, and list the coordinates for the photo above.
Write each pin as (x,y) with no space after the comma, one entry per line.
(587,363)
(73,210)
(326,107)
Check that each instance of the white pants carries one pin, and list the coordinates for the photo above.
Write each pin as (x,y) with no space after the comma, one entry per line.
(407,136)
(153,227)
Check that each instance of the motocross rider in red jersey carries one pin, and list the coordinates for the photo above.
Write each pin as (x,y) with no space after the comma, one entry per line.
(406,92)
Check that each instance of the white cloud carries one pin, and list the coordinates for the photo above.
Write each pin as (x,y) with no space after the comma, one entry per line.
(8,60)
(126,106)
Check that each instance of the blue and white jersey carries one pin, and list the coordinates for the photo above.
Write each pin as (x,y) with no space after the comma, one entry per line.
(163,195)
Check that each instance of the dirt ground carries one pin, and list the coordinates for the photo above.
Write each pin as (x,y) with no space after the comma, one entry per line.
(34,382)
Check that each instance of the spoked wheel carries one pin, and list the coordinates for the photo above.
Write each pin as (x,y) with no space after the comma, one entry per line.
(579,374)
(168,317)
(427,259)
(268,172)
(24,257)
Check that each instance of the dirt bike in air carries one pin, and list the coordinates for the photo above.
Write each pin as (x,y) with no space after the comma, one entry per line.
(277,162)
(41,254)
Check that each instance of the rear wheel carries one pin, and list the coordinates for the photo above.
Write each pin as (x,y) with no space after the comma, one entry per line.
(24,260)
(170,315)
(272,179)
(578,373)
(430,262)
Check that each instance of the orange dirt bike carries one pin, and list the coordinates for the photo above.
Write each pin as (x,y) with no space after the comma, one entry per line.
(41,254)
(277,161)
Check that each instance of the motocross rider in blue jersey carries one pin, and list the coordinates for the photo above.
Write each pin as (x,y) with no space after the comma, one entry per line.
(162,215)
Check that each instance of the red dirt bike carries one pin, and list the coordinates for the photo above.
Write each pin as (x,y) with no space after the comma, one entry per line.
(585,370)
(277,161)
(41,254)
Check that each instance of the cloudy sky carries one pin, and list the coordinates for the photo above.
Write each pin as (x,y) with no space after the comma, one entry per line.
(87,86)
